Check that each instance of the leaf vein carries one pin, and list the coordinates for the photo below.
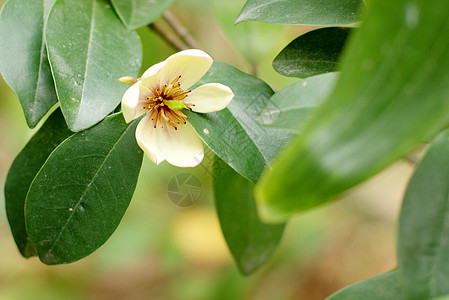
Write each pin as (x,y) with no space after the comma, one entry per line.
(86,190)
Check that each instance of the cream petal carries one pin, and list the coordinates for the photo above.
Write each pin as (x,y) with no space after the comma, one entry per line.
(182,147)
(191,64)
(133,101)
(152,70)
(151,78)
(146,137)
(210,97)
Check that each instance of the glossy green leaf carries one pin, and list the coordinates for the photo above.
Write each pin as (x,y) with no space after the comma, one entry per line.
(234,133)
(313,53)
(22,172)
(390,96)
(81,193)
(423,247)
(87,62)
(251,242)
(139,13)
(381,287)
(292,106)
(23,56)
(306,12)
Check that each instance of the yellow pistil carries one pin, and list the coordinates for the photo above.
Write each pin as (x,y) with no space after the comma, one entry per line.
(167,103)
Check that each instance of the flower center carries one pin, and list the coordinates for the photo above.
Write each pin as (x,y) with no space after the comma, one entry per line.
(166,105)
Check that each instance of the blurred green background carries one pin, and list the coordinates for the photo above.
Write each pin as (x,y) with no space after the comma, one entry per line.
(163,252)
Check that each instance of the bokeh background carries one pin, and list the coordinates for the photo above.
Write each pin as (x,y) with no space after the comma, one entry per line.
(160,251)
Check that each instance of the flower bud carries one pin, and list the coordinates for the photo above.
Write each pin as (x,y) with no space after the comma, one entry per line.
(127,80)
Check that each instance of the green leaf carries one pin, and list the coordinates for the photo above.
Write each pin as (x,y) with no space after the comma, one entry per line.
(233,133)
(23,56)
(89,49)
(22,172)
(315,52)
(292,106)
(139,13)
(423,247)
(382,287)
(81,193)
(251,242)
(305,12)
(391,95)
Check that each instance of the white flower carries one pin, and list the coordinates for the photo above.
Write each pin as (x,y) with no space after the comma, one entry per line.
(162,93)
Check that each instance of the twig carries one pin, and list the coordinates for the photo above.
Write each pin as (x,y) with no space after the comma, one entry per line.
(174,43)
(180,30)
(411,160)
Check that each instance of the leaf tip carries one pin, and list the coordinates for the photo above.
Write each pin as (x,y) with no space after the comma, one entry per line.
(247,269)
(240,18)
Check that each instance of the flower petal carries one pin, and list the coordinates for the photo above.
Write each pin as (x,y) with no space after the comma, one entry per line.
(210,97)
(182,147)
(153,70)
(151,78)
(133,102)
(146,137)
(191,64)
